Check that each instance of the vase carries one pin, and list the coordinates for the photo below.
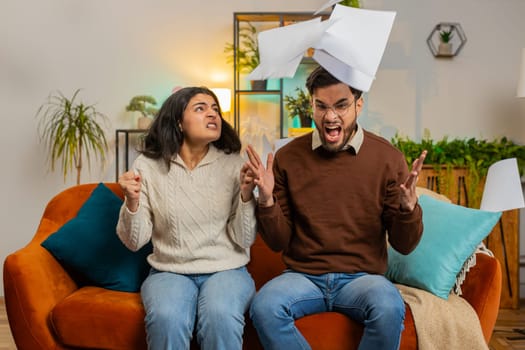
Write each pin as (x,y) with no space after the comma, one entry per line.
(445,49)
(306,122)
(258,85)
(143,123)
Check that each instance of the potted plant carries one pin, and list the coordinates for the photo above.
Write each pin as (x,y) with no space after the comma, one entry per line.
(445,46)
(465,159)
(71,131)
(146,106)
(246,55)
(351,3)
(299,105)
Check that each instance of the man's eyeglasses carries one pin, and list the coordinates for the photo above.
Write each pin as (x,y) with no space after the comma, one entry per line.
(339,108)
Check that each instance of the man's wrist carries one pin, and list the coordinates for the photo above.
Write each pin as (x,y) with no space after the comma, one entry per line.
(265,203)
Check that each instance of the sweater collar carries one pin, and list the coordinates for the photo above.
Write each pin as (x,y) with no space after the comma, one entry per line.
(212,155)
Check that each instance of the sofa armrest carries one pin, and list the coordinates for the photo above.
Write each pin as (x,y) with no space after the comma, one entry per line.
(34,282)
(482,289)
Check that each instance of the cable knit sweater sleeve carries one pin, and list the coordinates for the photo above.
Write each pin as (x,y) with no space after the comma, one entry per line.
(134,229)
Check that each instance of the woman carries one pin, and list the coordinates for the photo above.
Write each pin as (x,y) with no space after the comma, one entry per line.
(190,194)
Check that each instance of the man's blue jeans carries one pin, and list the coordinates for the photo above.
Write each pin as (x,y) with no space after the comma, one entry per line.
(213,305)
(369,299)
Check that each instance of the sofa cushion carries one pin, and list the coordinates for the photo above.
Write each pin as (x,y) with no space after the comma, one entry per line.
(451,234)
(89,247)
(115,320)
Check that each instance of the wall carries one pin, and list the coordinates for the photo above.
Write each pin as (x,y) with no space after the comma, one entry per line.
(116,49)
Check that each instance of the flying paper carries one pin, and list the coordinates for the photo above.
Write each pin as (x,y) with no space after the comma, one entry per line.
(349,44)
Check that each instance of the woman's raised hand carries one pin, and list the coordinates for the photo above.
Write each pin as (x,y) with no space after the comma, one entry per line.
(130,183)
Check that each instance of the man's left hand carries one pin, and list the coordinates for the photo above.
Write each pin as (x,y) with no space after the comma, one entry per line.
(408,189)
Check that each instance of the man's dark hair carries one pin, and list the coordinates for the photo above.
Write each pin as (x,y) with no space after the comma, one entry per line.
(320,77)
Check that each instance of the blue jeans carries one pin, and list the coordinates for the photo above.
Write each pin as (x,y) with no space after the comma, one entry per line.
(211,305)
(369,299)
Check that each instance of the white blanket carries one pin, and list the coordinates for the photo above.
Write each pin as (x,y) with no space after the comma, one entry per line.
(443,324)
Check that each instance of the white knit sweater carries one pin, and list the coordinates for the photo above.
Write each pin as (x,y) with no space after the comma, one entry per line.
(195,219)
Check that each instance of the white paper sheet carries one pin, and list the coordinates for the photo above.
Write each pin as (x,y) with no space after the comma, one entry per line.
(326,5)
(281,49)
(502,187)
(350,45)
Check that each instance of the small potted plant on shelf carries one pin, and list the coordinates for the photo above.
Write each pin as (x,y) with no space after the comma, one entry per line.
(299,105)
(71,131)
(445,46)
(246,55)
(146,106)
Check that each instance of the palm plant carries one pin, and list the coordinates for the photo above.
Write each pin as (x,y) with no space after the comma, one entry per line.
(247,53)
(71,131)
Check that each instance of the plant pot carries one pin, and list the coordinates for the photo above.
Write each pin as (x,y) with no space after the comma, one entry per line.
(445,49)
(143,123)
(306,122)
(258,84)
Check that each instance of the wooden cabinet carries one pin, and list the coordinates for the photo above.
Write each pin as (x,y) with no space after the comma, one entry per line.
(259,110)
(503,240)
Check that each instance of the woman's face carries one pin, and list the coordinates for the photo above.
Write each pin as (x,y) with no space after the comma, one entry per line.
(201,122)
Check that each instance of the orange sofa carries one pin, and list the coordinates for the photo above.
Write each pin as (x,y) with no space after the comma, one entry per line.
(47,310)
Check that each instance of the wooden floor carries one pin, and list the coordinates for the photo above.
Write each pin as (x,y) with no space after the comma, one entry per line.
(506,334)
(509,332)
(6,341)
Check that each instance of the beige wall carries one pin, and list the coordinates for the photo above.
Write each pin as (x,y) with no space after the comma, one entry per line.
(116,49)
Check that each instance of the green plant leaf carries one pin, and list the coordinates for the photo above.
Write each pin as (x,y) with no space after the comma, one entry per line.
(70,130)
(473,154)
(246,55)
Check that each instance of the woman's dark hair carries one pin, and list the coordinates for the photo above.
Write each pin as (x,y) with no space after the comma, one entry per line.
(320,77)
(164,137)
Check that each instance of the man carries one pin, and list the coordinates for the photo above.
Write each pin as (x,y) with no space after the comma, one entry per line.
(328,204)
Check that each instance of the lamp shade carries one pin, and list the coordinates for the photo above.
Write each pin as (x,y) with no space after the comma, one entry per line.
(502,187)
(225,98)
(520,91)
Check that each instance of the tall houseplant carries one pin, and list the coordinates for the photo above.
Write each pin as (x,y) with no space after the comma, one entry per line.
(72,132)
(246,54)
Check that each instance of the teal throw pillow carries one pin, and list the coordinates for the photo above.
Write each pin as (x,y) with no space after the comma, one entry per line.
(451,234)
(88,246)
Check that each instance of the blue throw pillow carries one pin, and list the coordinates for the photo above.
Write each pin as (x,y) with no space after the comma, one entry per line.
(88,245)
(451,234)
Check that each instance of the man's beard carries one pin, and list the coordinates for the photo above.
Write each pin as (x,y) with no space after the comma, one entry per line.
(348,132)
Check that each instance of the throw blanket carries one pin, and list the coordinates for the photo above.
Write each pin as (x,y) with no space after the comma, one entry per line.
(443,324)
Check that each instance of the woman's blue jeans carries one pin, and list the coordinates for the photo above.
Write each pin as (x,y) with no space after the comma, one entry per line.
(369,299)
(211,305)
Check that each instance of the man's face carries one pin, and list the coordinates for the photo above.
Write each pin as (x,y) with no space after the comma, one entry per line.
(335,113)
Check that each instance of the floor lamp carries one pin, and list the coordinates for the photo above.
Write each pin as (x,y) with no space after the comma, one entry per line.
(503,192)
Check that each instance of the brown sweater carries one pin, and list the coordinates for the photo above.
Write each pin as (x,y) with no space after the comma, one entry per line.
(333,210)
